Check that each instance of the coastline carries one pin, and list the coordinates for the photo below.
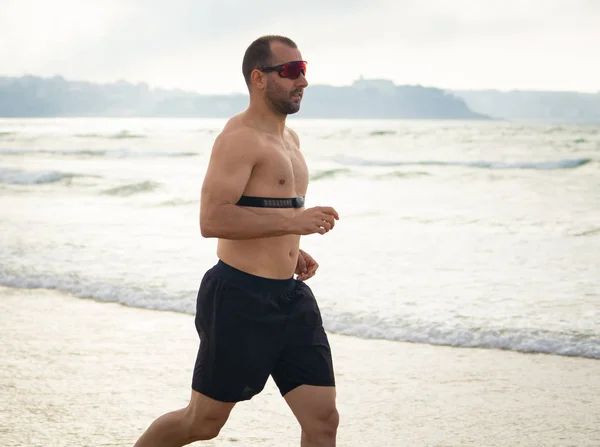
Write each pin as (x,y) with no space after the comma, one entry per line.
(78,372)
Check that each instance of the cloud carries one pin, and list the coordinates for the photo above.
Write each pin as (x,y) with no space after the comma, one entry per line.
(112,39)
(34,33)
(199,44)
(473,44)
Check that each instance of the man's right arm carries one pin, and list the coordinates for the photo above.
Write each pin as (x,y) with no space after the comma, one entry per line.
(233,157)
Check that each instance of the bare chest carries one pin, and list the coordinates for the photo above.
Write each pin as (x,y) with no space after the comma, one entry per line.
(281,172)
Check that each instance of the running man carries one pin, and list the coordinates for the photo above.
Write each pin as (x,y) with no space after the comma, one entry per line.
(253,318)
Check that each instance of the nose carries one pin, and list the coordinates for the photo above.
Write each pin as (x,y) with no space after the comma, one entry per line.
(301,82)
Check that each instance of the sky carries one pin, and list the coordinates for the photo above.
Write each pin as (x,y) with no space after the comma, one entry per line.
(199,44)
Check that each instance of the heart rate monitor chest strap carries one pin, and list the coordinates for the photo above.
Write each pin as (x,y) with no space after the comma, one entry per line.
(271,202)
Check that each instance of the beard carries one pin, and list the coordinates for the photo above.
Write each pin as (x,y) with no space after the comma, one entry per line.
(281,100)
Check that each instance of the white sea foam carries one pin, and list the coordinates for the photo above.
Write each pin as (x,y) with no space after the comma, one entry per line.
(131,295)
(522,340)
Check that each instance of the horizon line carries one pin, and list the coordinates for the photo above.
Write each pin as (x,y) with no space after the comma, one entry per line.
(361,78)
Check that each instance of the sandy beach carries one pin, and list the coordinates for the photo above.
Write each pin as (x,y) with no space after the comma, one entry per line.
(77,372)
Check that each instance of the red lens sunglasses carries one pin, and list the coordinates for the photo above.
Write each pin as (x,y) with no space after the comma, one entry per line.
(290,70)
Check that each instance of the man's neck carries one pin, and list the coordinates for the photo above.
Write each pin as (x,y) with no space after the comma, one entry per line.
(266,119)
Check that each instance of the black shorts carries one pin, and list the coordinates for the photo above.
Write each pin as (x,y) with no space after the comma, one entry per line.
(252,327)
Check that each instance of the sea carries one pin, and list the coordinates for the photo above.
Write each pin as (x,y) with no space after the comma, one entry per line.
(462,233)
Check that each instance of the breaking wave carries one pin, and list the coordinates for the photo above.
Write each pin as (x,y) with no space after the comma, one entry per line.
(527,340)
(328,173)
(521,340)
(22,177)
(540,165)
(131,189)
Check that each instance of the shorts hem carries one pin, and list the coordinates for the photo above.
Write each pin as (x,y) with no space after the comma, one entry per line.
(291,388)
(215,396)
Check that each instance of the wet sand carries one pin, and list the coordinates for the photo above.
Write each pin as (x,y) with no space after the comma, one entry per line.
(77,373)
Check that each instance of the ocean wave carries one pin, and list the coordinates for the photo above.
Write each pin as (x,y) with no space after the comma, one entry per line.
(592,232)
(540,165)
(381,133)
(177,202)
(328,174)
(520,340)
(402,174)
(349,133)
(21,177)
(132,188)
(122,135)
(122,153)
(147,298)
(516,339)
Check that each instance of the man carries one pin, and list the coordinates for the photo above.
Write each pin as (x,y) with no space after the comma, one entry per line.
(253,318)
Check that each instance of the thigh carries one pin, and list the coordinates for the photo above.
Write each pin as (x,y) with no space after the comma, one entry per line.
(306,355)
(237,350)
(312,403)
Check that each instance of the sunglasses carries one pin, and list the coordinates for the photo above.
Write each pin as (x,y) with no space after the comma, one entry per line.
(290,70)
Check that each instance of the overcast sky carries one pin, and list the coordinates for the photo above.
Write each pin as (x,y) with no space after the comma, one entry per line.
(199,44)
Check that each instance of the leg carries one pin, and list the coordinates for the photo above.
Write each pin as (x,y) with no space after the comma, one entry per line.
(201,420)
(304,372)
(315,409)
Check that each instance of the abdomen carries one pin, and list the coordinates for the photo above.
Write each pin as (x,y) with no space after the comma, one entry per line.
(273,257)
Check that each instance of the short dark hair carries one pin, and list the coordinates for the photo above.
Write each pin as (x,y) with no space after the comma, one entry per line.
(258,54)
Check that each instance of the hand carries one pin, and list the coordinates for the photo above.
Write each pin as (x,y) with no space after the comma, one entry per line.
(306,266)
(320,219)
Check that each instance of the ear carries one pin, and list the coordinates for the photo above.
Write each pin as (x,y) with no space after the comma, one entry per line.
(258,79)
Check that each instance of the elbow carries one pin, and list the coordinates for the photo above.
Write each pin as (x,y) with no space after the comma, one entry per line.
(213,224)
(206,229)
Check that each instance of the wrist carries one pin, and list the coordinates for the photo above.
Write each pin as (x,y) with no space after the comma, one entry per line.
(289,226)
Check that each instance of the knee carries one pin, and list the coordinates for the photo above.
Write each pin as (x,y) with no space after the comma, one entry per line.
(205,428)
(322,425)
(331,422)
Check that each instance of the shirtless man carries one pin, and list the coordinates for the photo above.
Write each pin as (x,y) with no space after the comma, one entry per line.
(253,318)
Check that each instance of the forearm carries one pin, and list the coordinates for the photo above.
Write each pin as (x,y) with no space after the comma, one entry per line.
(236,223)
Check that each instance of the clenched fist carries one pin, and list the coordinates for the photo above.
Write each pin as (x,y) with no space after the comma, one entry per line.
(320,219)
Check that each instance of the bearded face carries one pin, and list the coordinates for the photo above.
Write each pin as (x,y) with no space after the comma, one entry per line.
(285,101)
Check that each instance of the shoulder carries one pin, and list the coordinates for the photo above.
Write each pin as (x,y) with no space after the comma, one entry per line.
(293,136)
(237,134)
(237,138)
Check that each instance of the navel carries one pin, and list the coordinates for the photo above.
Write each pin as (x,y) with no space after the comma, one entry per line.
(282,181)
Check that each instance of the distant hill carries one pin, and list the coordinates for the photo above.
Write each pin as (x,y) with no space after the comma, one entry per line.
(534,106)
(31,96)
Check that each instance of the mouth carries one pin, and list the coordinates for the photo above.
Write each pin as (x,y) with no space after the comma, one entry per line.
(297,96)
